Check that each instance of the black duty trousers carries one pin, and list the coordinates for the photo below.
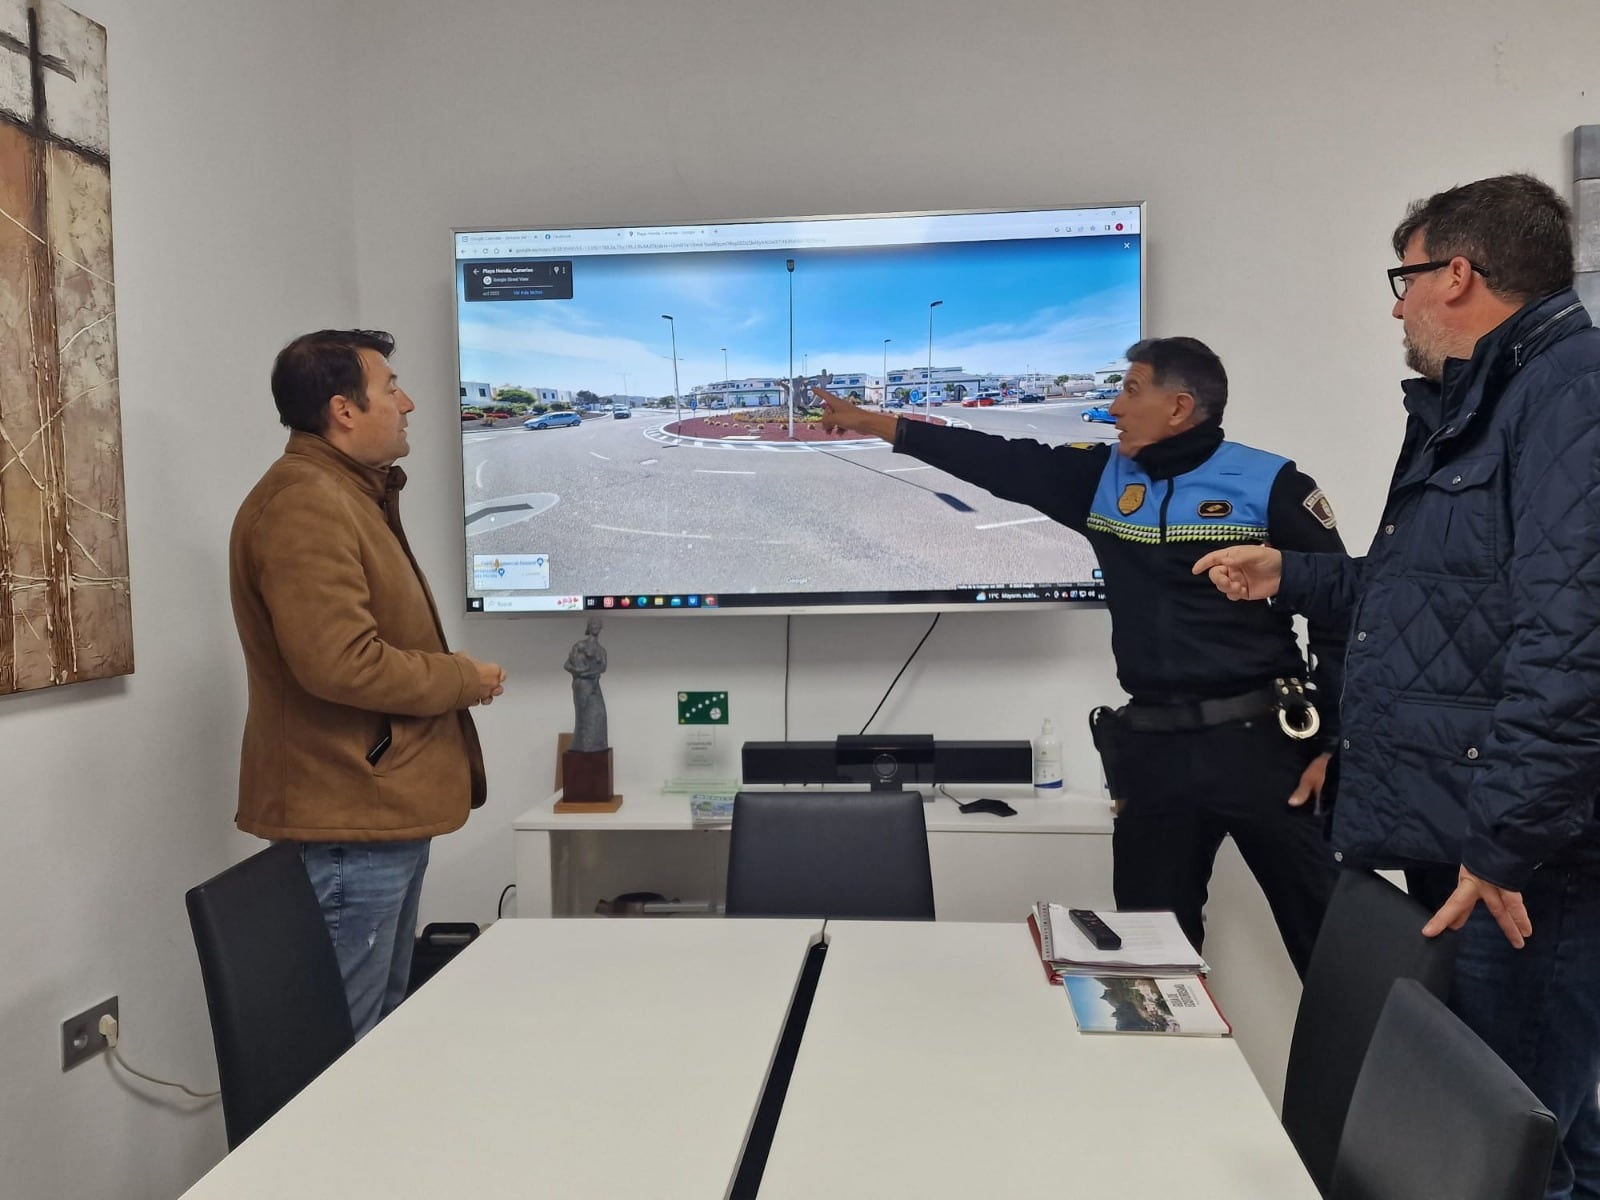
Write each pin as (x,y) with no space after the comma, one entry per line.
(1181,793)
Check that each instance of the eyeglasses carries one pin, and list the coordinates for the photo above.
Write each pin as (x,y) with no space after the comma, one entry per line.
(1400,277)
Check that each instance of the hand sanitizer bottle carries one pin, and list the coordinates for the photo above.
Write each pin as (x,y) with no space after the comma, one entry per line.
(1047,761)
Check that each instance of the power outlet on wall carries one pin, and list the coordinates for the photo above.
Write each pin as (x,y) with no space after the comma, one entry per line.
(81,1038)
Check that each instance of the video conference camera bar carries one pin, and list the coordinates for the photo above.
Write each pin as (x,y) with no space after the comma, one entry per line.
(887,761)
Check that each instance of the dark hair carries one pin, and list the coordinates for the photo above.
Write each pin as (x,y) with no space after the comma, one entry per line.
(1514,227)
(316,367)
(1189,365)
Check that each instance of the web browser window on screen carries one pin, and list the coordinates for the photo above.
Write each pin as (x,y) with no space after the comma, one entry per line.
(722,491)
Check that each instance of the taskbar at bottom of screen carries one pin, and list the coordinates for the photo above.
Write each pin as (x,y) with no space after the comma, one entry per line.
(666,602)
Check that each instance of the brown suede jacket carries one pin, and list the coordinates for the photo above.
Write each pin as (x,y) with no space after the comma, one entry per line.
(342,645)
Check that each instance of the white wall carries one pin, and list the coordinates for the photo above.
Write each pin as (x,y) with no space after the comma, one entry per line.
(1276,143)
(231,199)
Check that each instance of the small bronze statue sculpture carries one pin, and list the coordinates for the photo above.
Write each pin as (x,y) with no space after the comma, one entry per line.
(586,781)
(586,664)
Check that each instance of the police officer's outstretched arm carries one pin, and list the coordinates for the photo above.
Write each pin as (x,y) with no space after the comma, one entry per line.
(840,413)
(1058,481)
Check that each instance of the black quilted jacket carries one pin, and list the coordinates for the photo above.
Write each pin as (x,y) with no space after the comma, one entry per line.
(1471,708)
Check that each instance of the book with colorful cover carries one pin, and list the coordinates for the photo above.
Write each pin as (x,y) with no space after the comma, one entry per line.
(1129,1004)
(710,811)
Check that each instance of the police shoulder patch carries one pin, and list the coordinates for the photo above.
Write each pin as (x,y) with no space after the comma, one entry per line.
(1317,505)
(1083,445)
(1215,509)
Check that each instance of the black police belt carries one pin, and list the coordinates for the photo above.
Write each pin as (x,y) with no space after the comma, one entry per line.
(1297,716)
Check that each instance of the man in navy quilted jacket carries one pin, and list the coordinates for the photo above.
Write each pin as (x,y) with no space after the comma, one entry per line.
(1470,745)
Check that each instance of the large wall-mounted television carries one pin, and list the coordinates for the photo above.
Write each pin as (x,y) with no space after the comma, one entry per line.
(637,433)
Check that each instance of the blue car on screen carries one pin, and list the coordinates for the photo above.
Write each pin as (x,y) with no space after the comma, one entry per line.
(1100,414)
(553,420)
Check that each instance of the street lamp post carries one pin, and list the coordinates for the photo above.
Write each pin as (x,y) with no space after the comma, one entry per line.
(788,264)
(724,364)
(927,396)
(677,401)
(885,400)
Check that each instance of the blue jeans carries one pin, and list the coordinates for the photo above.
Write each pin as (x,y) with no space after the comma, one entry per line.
(369,892)
(1538,1008)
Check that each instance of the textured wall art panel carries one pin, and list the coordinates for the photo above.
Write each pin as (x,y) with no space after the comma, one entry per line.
(64,600)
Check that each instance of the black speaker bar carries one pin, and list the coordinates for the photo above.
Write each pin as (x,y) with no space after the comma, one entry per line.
(880,758)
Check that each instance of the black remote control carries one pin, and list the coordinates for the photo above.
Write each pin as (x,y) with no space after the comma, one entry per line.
(1096,930)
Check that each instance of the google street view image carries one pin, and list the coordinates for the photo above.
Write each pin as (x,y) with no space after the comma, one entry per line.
(638,427)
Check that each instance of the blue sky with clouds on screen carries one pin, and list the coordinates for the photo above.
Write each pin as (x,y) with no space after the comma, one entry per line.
(1053,305)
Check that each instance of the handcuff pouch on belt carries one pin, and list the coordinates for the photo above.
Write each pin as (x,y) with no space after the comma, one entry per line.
(1297,716)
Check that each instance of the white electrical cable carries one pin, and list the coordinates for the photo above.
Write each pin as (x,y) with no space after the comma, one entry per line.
(109,1030)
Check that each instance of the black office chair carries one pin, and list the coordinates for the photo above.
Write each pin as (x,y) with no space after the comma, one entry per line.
(1437,1113)
(1371,936)
(279,1015)
(848,855)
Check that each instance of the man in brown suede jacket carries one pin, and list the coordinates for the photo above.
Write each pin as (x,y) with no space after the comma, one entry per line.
(357,744)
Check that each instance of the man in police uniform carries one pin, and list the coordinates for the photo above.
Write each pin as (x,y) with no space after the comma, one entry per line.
(1207,745)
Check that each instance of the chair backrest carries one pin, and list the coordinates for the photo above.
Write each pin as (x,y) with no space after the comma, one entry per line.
(849,855)
(1371,936)
(1437,1113)
(278,1010)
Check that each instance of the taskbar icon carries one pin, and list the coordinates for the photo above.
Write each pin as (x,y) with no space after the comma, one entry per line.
(665,601)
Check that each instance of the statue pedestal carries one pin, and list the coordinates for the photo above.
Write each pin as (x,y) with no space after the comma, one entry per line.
(586,782)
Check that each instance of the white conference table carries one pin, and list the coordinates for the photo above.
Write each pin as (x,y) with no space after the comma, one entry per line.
(576,1059)
(625,1058)
(937,1062)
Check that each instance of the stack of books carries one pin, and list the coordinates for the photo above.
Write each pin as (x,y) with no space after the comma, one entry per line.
(1152,983)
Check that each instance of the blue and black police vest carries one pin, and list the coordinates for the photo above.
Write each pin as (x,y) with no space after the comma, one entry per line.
(1223,500)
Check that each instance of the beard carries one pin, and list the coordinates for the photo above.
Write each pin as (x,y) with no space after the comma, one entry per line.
(1425,352)
(1425,363)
